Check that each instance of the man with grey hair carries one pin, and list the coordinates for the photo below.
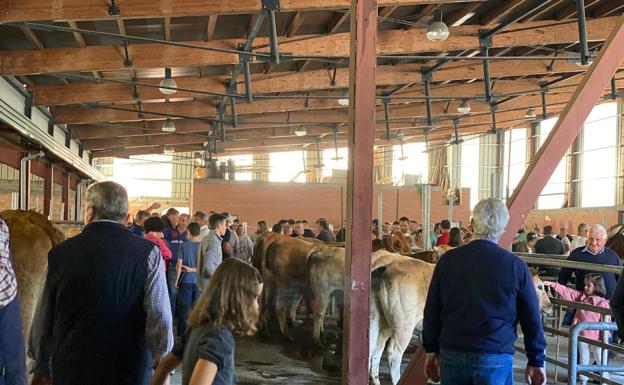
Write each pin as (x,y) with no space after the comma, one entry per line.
(478,293)
(594,252)
(104,314)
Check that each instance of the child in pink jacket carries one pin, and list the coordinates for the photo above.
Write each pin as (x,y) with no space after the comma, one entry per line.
(593,294)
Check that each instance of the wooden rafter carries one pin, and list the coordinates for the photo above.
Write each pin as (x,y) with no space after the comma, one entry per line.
(460,15)
(77,93)
(210,29)
(19,10)
(389,42)
(570,10)
(497,13)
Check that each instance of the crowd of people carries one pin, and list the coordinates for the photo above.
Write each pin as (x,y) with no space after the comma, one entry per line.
(112,295)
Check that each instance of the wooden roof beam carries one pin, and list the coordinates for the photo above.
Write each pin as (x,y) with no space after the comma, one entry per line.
(461,15)
(77,93)
(19,10)
(500,12)
(570,10)
(391,42)
(210,28)
(608,8)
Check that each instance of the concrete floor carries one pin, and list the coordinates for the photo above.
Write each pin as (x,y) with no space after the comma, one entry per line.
(276,361)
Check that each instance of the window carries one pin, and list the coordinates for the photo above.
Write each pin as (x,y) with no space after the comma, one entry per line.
(286,167)
(243,164)
(516,161)
(553,195)
(599,157)
(146,175)
(331,163)
(470,169)
(411,161)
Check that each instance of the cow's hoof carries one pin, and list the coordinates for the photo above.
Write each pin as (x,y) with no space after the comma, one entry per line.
(290,323)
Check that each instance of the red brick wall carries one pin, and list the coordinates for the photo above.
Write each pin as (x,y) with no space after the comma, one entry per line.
(606,216)
(254,201)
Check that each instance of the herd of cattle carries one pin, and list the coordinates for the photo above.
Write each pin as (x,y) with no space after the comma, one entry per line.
(400,281)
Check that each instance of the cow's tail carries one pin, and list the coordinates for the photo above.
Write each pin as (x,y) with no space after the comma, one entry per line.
(311,262)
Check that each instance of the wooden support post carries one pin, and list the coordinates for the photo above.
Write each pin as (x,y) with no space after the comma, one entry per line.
(48,190)
(65,197)
(24,191)
(363,61)
(565,131)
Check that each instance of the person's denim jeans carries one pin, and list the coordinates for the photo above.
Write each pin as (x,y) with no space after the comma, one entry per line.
(12,355)
(459,368)
(187,296)
(173,290)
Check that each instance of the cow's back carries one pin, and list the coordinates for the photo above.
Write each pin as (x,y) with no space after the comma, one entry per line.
(32,236)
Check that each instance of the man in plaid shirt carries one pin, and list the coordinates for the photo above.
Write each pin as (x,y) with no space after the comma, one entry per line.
(12,356)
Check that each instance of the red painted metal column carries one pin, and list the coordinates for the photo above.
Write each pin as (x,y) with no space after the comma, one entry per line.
(565,131)
(65,196)
(363,62)
(48,190)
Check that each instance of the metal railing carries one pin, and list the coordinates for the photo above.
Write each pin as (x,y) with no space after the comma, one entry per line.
(573,334)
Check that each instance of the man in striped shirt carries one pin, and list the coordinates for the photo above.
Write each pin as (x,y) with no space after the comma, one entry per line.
(12,356)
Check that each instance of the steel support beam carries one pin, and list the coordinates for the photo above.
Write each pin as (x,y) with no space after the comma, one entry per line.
(65,196)
(48,190)
(565,131)
(359,192)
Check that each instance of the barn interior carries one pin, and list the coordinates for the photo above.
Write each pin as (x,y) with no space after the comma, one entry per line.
(259,108)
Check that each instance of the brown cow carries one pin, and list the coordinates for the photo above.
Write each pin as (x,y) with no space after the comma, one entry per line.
(259,262)
(32,236)
(286,260)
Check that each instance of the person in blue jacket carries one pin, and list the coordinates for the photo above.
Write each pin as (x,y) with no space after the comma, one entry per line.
(478,293)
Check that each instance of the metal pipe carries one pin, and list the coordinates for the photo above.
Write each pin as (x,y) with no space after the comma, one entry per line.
(51,27)
(574,367)
(24,176)
(485,51)
(379,215)
(428,102)
(613,89)
(233,110)
(387,117)
(273,38)
(582,28)
(426,204)
(544,111)
(247,74)
(449,58)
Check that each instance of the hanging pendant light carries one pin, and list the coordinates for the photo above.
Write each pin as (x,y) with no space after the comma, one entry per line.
(169,150)
(344,101)
(464,107)
(438,31)
(531,113)
(301,131)
(168,81)
(168,126)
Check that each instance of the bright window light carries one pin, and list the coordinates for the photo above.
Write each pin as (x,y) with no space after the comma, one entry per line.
(286,167)
(516,162)
(470,169)
(415,162)
(553,195)
(599,157)
(146,175)
(241,163)
(330,163)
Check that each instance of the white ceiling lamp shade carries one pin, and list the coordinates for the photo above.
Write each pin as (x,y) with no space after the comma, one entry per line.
(438,31)
(531,113)
(169,150)
(168,126)
(464,107)
(344,100)
(301,131)
(168,81)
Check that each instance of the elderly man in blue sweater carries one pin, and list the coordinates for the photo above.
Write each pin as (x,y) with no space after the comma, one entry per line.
(478,293)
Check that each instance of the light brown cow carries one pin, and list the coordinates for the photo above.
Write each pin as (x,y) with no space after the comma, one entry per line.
(32,236)
(398,293)
(259,262)
(286,260)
